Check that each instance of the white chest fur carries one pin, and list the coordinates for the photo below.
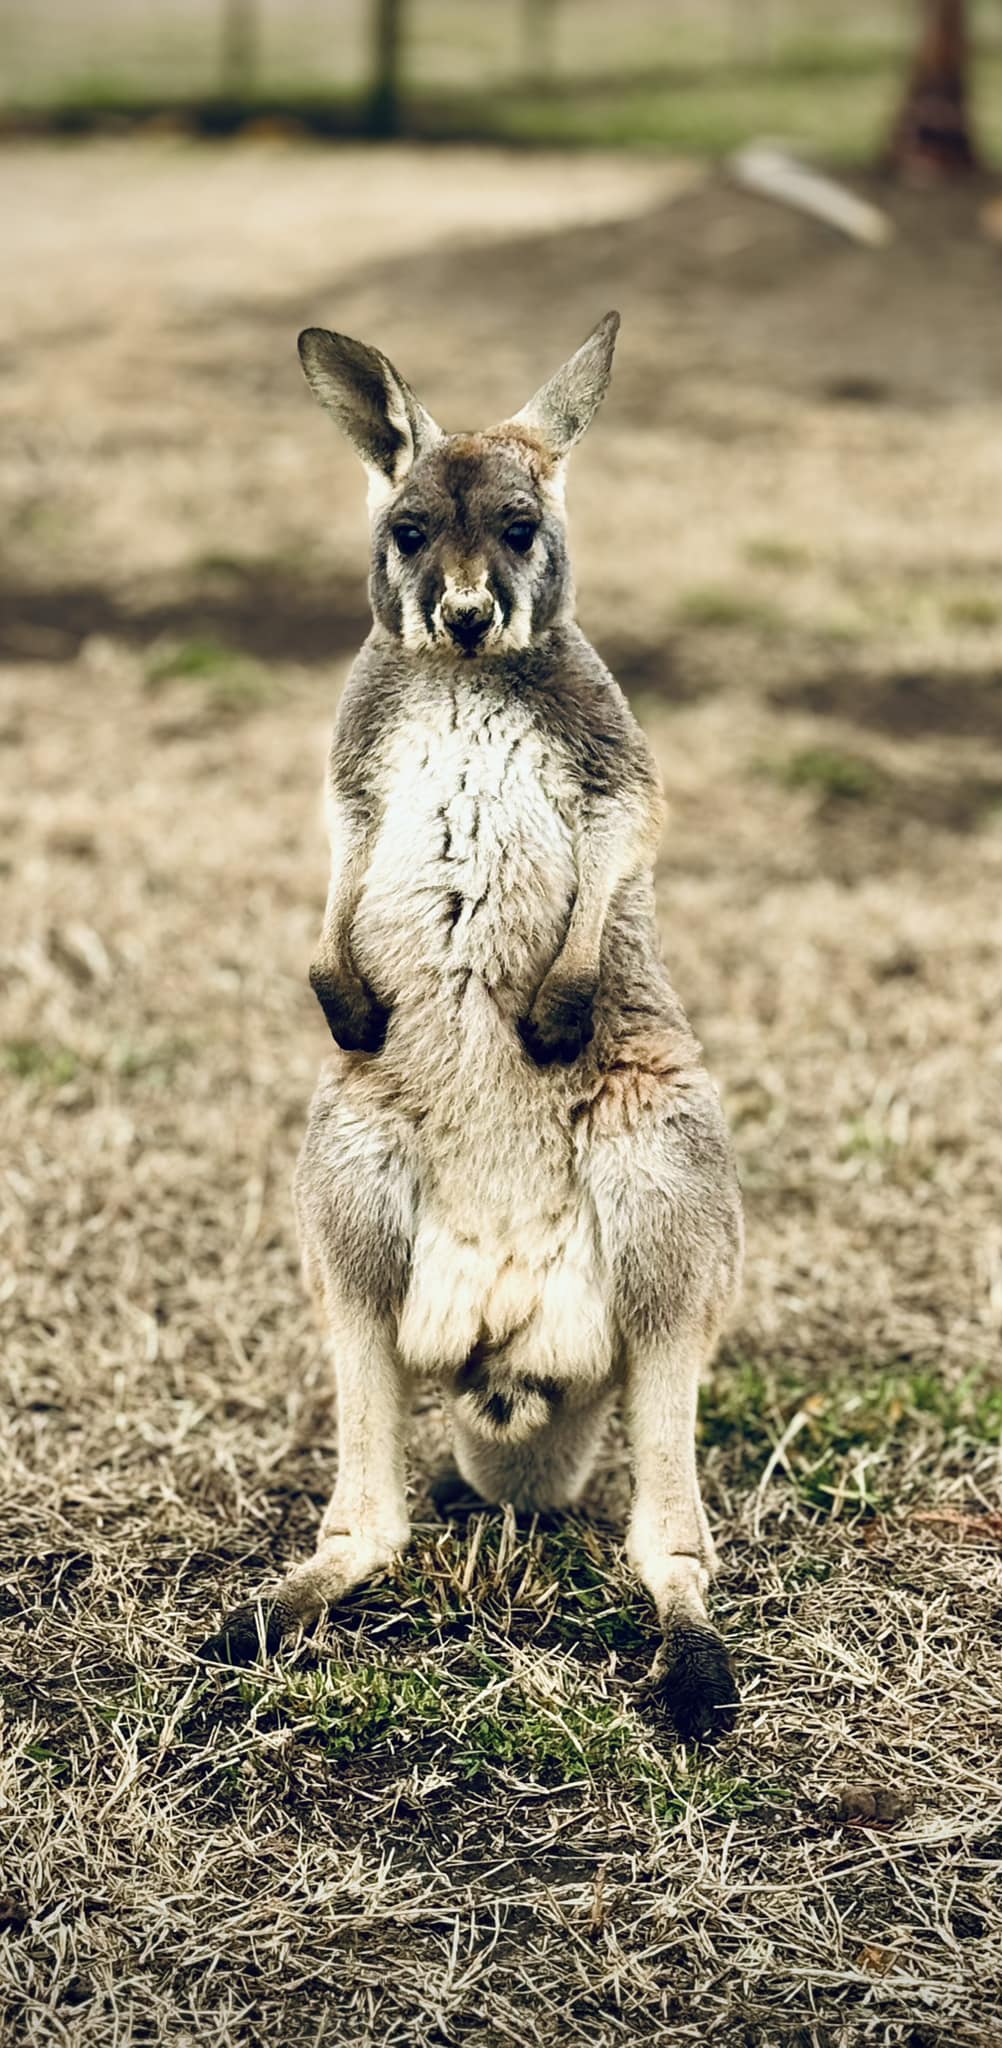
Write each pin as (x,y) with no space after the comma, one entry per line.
(472,872)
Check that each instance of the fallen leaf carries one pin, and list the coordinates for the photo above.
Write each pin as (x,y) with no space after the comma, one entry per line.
(871,1805)
(990,218)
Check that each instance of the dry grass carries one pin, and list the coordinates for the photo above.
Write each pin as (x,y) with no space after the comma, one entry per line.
(450,1818)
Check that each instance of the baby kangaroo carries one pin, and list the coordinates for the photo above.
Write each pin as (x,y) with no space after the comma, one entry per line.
(516,1179)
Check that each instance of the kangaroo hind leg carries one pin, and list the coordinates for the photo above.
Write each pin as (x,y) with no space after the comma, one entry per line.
(671,1224)
(355,1201)
(668,1541)
(365,1524)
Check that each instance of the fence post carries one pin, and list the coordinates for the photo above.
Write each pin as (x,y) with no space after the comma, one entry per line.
(387,54)
(539,41)
(239,48)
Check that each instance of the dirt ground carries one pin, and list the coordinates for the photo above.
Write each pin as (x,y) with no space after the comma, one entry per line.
(450,1819)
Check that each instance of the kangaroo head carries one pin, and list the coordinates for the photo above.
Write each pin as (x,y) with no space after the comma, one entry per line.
(469,546)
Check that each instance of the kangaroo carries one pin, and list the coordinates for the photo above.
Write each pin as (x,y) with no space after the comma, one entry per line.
(516,1179)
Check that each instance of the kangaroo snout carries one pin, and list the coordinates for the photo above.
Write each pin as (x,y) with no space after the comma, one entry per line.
(468,616)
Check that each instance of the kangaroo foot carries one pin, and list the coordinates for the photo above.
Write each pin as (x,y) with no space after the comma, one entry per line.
(693,1682)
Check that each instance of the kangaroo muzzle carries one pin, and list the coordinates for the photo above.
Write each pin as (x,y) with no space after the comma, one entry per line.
(468,616)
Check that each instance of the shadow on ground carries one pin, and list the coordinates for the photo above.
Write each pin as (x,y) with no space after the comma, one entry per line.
(257,609)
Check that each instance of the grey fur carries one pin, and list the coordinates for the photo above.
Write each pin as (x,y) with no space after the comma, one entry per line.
(516,1179)
(564,407)
(368,398)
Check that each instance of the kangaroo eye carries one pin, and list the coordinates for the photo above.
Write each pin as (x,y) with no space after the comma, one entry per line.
(409,539)
(520,536)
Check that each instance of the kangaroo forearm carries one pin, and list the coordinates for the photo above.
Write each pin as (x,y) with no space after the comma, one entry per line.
(609,849)
(561,1023)
(334,951)
(356,1017)
(351,840)
(579,956)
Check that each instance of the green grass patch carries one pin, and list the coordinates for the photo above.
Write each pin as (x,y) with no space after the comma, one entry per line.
(218,562)
(866,1139)
(532,1723)
(847,778)
(198,660)
(715,605)
(232,682)
(850,1430)
(30,1059)
(54,1762)
(974,611)
(561,1585)
(708,112)
(597,1607)
(840,630)
(53,1066)
(769,552)
(156,1062)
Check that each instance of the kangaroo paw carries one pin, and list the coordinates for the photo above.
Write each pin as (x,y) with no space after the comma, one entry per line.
(356,1018)
(560,1023)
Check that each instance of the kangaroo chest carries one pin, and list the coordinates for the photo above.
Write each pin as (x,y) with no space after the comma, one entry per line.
(468,892)
(472,873)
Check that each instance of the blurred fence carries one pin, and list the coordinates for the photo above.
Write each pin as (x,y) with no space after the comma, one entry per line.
(195,47)
(108,51)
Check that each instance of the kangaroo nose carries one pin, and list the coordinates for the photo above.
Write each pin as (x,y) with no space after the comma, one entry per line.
(468,620)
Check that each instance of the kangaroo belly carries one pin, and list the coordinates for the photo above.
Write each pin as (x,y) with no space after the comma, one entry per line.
(472,873)
(503,1307)
(465,905)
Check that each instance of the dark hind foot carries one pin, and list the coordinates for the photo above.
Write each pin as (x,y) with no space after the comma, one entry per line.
(452,1496)
(248,1633)
(694,1684)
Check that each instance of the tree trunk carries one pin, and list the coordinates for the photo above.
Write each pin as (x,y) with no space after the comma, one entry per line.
(387,52)
(239,48)
(932,139)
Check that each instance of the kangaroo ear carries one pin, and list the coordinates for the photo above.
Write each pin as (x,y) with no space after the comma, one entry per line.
(370,401)
(565,406)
